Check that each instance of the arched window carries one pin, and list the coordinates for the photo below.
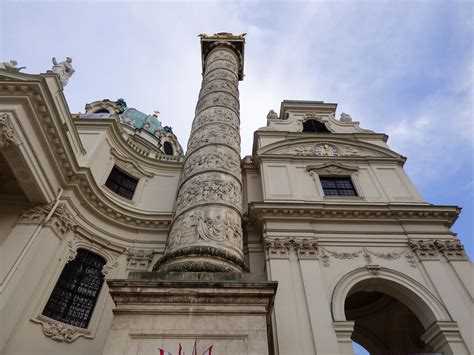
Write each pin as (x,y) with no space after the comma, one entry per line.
(315,126)
(102,110)
(74,297)
(168,148)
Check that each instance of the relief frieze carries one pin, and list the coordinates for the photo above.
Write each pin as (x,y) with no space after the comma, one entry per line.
(217,134)
(219,85)
(324,149)
(216,114)
(218,99)
(210,158)
(221,64)
(224,74)
(206,226)
(219,55)
(209,188)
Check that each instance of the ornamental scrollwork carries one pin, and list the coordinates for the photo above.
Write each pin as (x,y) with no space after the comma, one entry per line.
(424,249)
(8,136)
(60,332)
(35,214)
(129,166)
(451,249)
(279,248)
(431,249)
(139,259)
(325,150)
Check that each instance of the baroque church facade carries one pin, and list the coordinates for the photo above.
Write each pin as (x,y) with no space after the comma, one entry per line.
(113,241)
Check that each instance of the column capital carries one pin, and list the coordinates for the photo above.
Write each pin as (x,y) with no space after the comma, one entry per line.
(236,43)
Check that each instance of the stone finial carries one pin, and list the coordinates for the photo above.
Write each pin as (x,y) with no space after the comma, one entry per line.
(63,69)
(272,115)
(345,117)
(11,65)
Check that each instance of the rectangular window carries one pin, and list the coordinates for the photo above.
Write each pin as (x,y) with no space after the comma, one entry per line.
(76,292)
(337,186)
(121,183)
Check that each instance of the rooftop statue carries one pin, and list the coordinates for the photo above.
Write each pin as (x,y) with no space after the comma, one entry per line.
(63,69)
(272,115)
(345,117)
(11,65)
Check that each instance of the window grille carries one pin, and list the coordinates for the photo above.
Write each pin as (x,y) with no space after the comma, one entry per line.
(337,186)
(121,183)
(74,297)
(315,126)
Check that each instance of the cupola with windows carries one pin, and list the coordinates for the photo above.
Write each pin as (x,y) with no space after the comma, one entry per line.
(143,129)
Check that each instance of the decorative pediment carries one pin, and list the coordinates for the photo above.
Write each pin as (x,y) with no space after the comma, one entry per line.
(329,148)
(129,166)
(332,169)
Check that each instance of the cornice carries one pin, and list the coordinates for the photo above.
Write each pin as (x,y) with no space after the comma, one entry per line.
(161,161)
(79,178)
(356,148)
(421,213)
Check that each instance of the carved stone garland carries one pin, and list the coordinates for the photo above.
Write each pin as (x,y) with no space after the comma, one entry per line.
(368,255)
(206,232)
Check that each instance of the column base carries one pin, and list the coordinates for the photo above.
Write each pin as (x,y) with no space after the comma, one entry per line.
(228,311)
(200,259)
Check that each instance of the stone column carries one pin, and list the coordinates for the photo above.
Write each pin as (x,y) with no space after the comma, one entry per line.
(206,231)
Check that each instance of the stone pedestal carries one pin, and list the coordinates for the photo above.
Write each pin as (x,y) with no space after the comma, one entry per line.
(230,311)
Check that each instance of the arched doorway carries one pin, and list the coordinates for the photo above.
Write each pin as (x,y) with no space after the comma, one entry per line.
(383,324)
(389,312)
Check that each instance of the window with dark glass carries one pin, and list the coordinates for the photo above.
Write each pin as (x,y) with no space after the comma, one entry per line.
(121,183)
(337,186)
(168,148)
(315,126)
(74,297)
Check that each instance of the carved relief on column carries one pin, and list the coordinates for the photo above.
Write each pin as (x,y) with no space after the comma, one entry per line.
(219,85)
(206,232)
(214,99)
(215,134)
(212,158)
(210,188)
(216,115)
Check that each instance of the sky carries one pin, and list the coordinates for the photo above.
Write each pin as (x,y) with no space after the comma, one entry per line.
(404,68)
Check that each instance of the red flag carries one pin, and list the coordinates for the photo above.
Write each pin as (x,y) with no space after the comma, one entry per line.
(164,352)
(180,350)
(208,351)
(194,348)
